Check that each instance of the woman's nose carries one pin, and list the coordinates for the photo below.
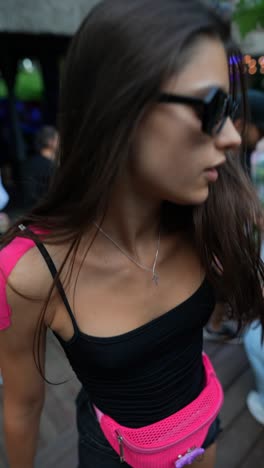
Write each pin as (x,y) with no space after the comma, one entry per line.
(229,138)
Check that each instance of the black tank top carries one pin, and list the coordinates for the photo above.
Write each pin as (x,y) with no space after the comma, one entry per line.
(149,373)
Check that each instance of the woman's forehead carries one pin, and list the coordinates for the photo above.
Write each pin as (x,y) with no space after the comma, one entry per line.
(207,67)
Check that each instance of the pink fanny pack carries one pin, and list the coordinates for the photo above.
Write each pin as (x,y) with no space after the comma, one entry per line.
(174,441)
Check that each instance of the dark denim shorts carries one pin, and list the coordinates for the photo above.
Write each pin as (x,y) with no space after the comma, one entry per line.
(94,450)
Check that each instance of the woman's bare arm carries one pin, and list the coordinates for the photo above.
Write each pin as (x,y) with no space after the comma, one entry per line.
(24,387)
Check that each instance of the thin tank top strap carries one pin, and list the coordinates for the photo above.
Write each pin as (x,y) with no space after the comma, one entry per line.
(54,272)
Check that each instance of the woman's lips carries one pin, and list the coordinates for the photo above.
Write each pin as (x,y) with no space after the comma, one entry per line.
(211,174)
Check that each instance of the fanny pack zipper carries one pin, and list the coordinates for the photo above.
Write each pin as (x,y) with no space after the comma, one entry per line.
(121,447)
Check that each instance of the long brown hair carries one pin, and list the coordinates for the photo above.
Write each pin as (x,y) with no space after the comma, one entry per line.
(119,58)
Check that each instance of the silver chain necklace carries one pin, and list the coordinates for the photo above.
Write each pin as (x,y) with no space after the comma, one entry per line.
(155,276)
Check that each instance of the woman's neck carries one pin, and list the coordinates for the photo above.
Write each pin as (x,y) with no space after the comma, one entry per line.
(131,219)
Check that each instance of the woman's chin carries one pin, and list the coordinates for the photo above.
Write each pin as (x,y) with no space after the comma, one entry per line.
(200,196)
(195,198)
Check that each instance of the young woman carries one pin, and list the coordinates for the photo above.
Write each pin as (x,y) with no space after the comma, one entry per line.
(148,218)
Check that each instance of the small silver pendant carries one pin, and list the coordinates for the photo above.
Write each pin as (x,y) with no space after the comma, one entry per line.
(155,278)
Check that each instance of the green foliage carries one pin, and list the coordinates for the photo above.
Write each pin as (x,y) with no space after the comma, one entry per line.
(249,15)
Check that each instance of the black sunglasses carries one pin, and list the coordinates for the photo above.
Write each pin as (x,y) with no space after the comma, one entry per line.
(213,110)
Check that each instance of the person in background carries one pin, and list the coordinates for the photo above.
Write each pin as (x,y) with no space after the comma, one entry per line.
(4,221)
(4,199)
(257,169)
(219,328)
(253,344)
(254,124)
(39,168)
(255,352)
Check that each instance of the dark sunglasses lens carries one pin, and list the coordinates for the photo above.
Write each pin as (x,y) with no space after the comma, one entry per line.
(215,113)
(219,111)
(230,110)
(221,107)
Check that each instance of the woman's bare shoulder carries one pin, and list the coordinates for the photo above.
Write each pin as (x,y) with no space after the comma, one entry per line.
(30,275)
(27,280)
